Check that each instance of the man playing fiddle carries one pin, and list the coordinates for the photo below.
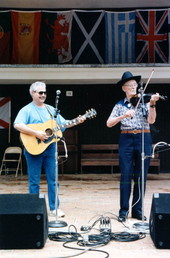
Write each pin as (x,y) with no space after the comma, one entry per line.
(130,144)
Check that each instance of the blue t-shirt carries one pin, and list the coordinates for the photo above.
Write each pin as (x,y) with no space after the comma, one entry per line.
(32,114)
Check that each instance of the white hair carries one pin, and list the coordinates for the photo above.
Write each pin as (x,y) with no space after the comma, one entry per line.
(34,86)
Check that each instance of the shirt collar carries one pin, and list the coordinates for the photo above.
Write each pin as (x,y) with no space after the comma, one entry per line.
(126,101)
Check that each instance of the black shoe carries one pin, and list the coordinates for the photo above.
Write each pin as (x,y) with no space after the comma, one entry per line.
(138,216)
(122,218)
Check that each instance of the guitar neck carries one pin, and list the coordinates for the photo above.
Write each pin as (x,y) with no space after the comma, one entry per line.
(89,114)
(66,125)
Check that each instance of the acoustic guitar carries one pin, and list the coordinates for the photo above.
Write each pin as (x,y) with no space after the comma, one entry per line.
(35,146)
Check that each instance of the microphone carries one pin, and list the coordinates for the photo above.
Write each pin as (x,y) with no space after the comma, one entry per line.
(58,92)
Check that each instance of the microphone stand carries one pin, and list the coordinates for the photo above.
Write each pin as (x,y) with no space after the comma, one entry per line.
(143,225)
(56,223)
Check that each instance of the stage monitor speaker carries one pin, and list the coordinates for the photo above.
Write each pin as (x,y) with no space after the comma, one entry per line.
(159,222)
(23,221)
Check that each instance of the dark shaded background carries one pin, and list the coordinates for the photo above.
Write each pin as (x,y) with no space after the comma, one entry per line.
(100,97)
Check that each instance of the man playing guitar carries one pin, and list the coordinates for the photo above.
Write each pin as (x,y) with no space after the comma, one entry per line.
(29,121)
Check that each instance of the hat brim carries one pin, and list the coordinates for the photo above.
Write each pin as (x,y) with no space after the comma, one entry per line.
(136,78)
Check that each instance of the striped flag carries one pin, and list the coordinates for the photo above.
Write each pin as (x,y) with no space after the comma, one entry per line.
(5,35)
(55,39)
(120,37)
(169,34)
(88,37)
(26,30)
(5,112)
(152,36)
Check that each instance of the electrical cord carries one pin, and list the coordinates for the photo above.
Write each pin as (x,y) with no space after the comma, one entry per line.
(91,242)
(126,237)
(84,250)
(64,236)
(73,255)
(95,240)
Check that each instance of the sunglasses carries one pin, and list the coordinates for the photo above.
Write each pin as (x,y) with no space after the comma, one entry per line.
(130,85)
(42,92)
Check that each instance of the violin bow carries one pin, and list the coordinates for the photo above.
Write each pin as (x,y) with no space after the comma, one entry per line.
(144,89)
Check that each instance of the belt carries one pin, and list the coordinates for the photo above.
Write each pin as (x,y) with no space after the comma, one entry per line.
(135,131)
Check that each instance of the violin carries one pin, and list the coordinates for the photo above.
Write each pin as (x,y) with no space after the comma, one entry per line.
(146,96)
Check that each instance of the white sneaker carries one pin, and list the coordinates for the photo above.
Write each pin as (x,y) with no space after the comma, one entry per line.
(52,213)
(60,213)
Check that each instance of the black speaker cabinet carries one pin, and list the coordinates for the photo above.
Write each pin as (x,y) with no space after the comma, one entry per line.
(159,223)
(23,221)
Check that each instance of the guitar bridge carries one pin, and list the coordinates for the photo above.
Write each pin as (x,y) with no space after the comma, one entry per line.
(47,140)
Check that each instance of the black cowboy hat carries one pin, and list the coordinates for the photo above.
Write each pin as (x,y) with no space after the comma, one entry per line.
(127,76)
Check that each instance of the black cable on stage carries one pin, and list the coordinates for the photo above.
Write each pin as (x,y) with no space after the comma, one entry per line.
(64,236)
(126,237)
(95,240)
(85,250)
(91,242)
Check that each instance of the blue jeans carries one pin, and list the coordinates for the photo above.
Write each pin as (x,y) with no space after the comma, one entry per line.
(34,168)
(130,160)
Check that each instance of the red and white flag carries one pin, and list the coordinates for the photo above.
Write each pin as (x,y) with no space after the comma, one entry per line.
(5,112)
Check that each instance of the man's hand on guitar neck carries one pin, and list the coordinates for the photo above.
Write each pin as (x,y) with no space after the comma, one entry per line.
(81,119)
(76,121)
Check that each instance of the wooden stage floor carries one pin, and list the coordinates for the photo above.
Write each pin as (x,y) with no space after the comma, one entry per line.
(84,199)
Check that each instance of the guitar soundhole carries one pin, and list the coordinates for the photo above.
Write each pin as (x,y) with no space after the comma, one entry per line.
(49,132)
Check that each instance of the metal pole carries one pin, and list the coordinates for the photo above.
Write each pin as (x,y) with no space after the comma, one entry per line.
(56,223)
(143,225)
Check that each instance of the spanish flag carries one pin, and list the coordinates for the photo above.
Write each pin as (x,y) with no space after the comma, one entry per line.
(26,30)
(5,35)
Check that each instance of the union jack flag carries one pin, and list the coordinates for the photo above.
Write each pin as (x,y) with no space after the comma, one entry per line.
(152,36)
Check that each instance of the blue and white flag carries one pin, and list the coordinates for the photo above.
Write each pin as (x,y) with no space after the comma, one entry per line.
(120,37)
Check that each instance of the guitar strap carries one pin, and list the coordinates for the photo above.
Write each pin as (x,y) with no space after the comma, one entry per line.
(52,117)
(49,111)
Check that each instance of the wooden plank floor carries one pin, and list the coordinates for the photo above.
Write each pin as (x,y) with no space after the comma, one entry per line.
(84,198)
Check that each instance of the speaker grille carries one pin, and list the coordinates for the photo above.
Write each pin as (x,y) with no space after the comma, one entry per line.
(23,221)
(160,220)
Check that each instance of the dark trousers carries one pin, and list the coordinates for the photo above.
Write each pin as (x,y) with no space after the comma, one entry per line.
(130,160)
